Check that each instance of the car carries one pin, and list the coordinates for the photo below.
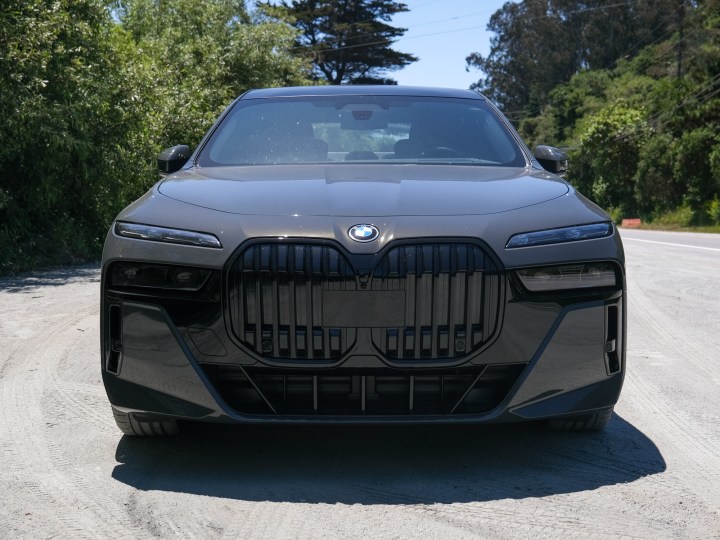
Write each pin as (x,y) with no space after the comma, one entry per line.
(362,254)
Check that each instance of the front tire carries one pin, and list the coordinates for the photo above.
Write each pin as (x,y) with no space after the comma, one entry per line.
(135,426)
(591,422)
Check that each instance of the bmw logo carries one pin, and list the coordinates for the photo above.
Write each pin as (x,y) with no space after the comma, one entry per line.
(363,233)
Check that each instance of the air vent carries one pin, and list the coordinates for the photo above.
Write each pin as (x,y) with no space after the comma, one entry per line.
(114,338)
(611,341)
(343,392)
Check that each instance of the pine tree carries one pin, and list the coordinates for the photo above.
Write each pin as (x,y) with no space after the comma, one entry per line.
(350,41)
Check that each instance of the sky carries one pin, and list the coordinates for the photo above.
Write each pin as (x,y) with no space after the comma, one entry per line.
(442,33)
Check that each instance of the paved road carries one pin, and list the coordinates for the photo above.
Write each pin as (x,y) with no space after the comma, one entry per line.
(65,470)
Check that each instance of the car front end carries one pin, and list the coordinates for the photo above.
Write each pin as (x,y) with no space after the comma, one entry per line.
(442,288)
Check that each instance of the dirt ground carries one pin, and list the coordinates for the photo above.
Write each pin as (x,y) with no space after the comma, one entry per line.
(67,472)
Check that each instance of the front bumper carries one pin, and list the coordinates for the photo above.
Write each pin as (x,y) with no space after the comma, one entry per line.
(549,359)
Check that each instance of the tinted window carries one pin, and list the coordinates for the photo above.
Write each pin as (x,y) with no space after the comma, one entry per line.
(361,128)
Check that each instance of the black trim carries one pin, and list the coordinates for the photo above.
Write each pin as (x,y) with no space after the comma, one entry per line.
(341,392)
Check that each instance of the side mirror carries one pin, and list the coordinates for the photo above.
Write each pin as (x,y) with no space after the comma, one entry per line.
(552,159)
(172,159)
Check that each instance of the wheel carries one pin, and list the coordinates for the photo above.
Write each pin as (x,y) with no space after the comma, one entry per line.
(135,426)
(590,422)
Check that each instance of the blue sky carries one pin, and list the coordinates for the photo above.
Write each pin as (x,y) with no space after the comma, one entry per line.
(442,33)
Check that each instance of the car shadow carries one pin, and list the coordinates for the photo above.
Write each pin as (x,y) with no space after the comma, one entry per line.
(52,278)
(386,465)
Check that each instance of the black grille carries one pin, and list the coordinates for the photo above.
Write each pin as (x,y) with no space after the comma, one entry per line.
(310,301)
(342,392)
(275,300)
(452,300)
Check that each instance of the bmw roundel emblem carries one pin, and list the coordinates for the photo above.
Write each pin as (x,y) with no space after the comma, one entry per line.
(363,233)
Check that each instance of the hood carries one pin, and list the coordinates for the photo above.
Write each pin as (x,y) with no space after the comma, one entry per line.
(365,190)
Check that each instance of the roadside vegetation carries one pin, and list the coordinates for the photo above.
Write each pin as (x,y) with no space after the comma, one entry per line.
(629,88)
(92,90)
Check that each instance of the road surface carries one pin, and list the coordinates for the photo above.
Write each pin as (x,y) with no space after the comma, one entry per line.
(66,471)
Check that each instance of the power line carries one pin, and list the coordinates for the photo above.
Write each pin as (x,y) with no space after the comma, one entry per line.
(648,34)
(703,95)
(400,38)
(521,114)
(431,34)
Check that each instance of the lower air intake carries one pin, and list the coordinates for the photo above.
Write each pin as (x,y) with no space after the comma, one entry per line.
(342,392)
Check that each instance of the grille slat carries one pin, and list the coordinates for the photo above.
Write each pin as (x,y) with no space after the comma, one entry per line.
(454,285)
(461,341)
(257,310)
(451,292)
(275,285)
(308,303)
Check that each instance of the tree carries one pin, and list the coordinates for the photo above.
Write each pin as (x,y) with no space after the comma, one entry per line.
(348,40)
(643,141)
(92,90)
(608,156)
(539,44)
(65,125)
(526,57)
(206,54)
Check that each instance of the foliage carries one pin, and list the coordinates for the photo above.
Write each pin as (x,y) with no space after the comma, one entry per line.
(207,53)
(615,215)
(89,96)
(349,41)
(657,190)
(680,217)
(684,218)
(714,211)
(642,128)
(539,44)
(608,156)
(63,110)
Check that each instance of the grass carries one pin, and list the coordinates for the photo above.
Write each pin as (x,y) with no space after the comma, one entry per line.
(682,219)
(680,228)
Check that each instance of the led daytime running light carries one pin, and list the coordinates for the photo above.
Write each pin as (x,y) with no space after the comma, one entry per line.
(167,235)
(558,236)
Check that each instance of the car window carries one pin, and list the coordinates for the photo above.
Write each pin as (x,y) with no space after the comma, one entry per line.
(361,129)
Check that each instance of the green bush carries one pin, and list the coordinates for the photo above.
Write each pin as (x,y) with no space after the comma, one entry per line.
(683,216)
(714,211)
(616,214)
(89,97)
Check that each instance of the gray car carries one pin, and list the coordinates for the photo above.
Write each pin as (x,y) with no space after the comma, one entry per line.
(359,254)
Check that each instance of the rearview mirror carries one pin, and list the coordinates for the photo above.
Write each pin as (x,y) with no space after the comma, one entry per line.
(552,159)
(172,159)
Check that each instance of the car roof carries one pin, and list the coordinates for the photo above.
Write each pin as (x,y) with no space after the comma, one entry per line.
(361,90)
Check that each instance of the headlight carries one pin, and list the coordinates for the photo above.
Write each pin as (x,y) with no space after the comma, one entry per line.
(557,236)
(571,276)
(157,276)
(164,234)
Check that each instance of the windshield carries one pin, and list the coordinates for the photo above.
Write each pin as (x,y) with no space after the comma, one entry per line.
(388,129)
